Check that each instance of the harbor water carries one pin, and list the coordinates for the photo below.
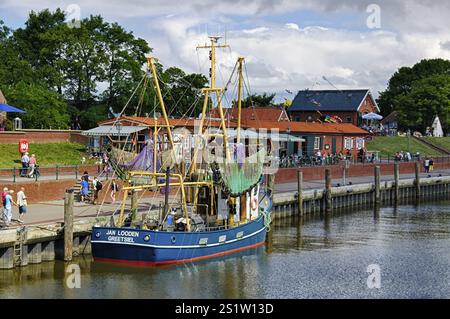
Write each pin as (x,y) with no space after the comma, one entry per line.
(314,257)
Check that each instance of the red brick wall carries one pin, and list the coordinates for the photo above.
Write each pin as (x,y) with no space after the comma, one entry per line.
(368,106)
(42,136)
(48,171)
(42,191)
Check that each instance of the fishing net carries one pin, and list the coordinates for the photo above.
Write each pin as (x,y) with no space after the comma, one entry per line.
(240,175)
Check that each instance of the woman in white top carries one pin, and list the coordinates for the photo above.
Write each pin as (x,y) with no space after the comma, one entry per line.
(22,203)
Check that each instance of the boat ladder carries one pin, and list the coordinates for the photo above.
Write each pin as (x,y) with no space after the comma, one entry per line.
(18,246)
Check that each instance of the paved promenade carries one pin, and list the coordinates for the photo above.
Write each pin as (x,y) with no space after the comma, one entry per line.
(50,212)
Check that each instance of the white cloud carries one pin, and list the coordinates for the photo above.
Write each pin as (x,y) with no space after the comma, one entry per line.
(284,54)
(293,26)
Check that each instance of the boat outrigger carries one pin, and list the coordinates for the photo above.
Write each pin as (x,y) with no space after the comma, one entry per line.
(223,203)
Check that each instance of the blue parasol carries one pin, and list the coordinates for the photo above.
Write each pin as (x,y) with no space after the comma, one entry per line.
(10,109)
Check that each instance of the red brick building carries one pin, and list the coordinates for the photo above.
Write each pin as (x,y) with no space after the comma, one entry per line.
(348,105)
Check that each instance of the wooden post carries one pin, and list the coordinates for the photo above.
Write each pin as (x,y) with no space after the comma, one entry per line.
(396,182)
(271,183)
(300,192)
(166,193)
(68,225)
(417,180)
(328,200)
(134,205)
(377,186)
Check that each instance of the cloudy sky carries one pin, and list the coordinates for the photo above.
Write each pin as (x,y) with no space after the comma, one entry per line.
(288,44)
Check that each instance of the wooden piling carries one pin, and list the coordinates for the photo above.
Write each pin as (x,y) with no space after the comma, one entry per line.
(396,182)
(377,186)
(417,180)
(68,225)
(300,193)
(328,197)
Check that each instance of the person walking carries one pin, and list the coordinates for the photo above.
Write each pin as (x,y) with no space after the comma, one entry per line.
(114,190)
(431,165)
(4,193)
(84,189)
(25,160)
(22,203)
(32,163)
(97,187)
(8,208)
(427,165)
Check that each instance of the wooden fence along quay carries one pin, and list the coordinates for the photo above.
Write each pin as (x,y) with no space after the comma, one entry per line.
(36,244)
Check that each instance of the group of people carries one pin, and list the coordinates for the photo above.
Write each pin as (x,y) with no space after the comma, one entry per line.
(97,186)
(29,165)
(8,203)
(428,164)
(404,156)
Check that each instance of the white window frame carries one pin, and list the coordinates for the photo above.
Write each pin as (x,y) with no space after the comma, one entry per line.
(348,143)
(360,143)
(317,143)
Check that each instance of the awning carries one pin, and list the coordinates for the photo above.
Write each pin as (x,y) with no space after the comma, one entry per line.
(10,109)
(115,130)
(372,116)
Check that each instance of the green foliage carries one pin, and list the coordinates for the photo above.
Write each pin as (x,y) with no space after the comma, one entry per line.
(259,100)
(419,94)
(183,91)
(48,154)
(45,109)
(440,141)
(388,146)
(75,62)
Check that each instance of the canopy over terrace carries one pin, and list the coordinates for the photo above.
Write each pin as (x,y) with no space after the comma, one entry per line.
(114,130)
(118,135)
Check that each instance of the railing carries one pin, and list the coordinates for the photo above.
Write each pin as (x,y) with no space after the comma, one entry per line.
(56,172)
(315,161)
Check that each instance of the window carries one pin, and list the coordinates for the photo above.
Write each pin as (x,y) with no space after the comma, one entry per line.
(348,143)
(317,143)
(360,143)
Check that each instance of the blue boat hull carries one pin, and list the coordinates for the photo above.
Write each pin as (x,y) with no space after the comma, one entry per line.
(149,247)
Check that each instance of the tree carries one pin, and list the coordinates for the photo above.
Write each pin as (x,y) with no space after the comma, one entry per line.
(427,98)
(12,68)
(402,81)
(123,67)
(42,44)
(44,109)
(85,59)
(258,100)
(183,91)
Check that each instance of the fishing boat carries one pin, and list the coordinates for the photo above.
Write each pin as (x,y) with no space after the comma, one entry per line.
(219,206)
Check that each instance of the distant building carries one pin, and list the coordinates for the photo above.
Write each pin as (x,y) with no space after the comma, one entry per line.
(293,137)
(390,124)
(348,105)
(274,113)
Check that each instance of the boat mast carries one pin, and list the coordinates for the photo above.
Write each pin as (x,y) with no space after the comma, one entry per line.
(151,66)
(212,73)
(240,62)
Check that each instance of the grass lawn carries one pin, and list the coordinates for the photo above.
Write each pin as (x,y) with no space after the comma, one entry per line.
(50,154)
(388,146)
(440,141)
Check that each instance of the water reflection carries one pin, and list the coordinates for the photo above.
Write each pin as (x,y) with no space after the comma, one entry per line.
(310,257)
